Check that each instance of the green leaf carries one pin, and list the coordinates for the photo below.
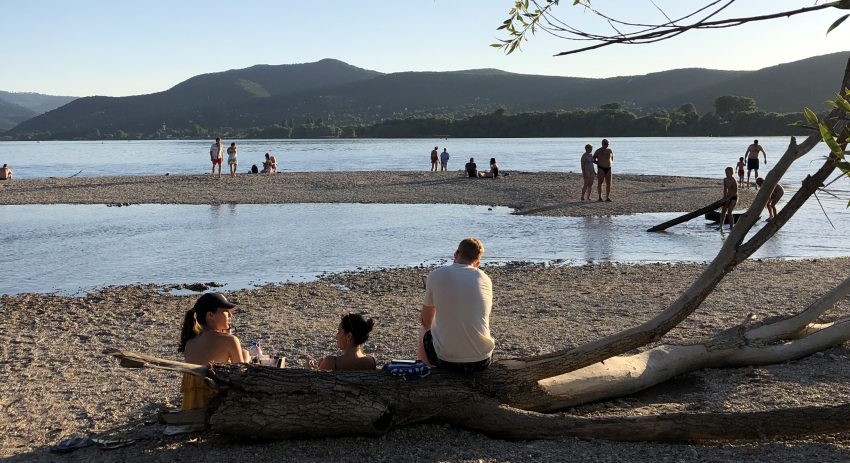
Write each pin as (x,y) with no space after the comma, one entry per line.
(810,115)
(837,23)
(503,26)
(826,134)
(839,100)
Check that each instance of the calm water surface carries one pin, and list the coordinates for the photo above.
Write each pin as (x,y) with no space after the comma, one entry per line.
(72,248)
(68,248)
(696,157)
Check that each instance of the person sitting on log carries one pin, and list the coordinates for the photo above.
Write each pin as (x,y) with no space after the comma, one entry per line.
(352,333)
(455,316)
(204,338)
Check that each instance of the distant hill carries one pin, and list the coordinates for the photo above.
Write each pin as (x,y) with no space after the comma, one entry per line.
(216,99)
(783,88)
(342,94)
(18,107)
(12,114)
(36,102)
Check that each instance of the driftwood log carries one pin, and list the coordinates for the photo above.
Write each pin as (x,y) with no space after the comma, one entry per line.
(519,398)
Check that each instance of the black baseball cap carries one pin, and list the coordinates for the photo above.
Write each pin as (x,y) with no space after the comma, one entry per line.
(211,302)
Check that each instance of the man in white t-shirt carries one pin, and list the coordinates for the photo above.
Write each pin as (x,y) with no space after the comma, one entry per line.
(455,331)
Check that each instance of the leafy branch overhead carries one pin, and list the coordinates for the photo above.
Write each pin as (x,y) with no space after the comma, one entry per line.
(837,141)
(529,16)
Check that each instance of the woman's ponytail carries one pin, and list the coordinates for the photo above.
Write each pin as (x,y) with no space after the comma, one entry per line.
(190,329)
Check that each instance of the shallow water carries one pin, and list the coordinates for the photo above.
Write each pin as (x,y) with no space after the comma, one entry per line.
(73,248)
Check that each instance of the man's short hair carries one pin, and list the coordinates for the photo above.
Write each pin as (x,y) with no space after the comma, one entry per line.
(470,249)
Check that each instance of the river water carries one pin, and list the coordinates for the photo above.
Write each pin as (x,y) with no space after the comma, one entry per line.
(73,248)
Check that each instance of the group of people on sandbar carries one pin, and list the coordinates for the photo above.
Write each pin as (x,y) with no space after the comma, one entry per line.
(730,186)
(217,157)
(603,159)
(454,328)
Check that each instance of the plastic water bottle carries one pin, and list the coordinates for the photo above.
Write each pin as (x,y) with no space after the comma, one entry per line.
(256,351)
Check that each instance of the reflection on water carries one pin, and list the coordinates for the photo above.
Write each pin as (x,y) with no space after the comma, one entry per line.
(73,247)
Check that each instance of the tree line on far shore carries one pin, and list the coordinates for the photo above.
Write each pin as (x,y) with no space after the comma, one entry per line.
(732,116)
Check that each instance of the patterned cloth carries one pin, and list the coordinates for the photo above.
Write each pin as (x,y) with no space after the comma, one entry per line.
(408,371)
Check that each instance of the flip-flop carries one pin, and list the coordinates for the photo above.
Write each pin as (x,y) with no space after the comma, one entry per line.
(112,444)
(71,444)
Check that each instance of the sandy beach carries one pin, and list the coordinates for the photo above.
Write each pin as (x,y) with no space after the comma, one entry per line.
(57,382)
(539,193)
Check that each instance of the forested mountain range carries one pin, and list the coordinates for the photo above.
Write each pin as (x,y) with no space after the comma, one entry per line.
(18,107)
(333,92)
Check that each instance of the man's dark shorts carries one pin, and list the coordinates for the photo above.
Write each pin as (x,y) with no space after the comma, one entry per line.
(753,164)
(470,367)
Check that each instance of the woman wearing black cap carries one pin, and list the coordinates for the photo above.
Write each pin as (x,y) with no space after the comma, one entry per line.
(205,338)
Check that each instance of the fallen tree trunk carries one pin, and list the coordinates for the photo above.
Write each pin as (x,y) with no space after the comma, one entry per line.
(690,215)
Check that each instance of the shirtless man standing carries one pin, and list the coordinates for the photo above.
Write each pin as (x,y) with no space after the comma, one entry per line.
(604,158)
(216,155)
(753,159)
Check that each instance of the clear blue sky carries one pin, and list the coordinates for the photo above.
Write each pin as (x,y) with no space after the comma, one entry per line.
(118,48)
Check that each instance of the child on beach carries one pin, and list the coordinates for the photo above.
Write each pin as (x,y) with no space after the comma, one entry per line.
(775,196)
(741,172)
(205,338)
(730,196)
(588,171)
(352,333)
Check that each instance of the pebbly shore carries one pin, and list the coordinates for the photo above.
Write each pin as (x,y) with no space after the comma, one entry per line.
(57,382)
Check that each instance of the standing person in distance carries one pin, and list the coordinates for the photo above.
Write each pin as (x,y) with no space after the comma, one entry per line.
(216,155)
(444,160)
(231,159)
(588,172)
(604,159)
(752,154)
(730,198)
(434,159)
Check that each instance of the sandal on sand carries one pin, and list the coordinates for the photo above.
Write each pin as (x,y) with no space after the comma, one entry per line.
(112,444)
(71,444)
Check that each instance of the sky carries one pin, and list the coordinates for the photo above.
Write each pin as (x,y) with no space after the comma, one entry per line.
(120,48)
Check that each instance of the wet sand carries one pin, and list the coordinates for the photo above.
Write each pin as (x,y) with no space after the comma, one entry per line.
(538,193)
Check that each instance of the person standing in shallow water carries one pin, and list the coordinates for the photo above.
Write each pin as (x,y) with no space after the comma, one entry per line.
(730,198)
(588,172)
(604,159)
(753,159)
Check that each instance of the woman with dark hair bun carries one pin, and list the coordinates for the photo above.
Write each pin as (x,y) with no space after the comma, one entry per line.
(352,333)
